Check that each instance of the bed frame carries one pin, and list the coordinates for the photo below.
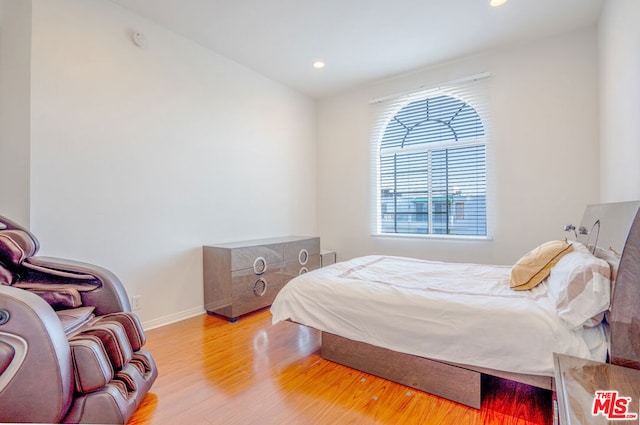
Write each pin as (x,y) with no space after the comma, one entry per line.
(615,225)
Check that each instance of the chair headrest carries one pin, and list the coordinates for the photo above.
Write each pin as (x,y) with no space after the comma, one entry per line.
(7,224)
(16,246)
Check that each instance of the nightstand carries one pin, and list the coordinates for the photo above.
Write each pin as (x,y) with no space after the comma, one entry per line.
(579,382)
(327,257)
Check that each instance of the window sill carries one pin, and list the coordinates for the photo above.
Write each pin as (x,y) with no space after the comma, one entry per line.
(432,237)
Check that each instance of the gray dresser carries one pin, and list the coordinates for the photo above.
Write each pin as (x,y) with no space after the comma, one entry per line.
(241,277)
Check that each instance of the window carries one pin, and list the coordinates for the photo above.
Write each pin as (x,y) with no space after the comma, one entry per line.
(431,163)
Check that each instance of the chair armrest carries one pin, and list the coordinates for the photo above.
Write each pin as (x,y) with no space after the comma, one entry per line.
(110,297)
(36,359)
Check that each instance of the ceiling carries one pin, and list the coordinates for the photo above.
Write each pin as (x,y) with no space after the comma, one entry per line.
(360,40)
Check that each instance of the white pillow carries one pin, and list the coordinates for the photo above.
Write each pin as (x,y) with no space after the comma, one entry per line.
(580,287)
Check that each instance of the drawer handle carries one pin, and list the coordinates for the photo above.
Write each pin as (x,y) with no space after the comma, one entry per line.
(303,257)
(260,287)
(259,265)
(303,270)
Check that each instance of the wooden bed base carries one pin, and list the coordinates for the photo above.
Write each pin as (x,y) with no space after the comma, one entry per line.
(459,383)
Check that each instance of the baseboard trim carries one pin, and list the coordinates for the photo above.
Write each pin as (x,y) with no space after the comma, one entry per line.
(173,318)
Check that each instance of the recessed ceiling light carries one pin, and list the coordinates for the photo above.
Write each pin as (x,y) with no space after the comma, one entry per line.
(496,3)
(318,64)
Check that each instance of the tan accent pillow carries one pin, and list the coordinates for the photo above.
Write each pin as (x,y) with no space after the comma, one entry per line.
(536,265)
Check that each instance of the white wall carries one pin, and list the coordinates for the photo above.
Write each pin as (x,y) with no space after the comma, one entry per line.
(619,37)
(141,156)
(544,150)
(15,73)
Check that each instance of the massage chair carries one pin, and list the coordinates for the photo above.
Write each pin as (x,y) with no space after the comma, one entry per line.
(70,347)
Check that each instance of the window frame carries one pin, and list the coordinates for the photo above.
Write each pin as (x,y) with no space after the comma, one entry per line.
(472,91)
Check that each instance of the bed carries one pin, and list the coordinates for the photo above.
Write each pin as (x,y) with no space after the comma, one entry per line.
(440,326)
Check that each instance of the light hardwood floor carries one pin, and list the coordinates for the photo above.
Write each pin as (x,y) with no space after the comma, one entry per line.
(250,372)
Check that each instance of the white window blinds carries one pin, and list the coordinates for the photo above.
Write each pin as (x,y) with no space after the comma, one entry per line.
(429,152)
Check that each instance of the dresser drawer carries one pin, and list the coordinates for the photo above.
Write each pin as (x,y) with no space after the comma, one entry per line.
(293,268)
(302,249)
(244,281)
(247,257)
(248,302)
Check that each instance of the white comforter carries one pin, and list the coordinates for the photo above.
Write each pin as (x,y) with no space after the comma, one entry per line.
(461,313)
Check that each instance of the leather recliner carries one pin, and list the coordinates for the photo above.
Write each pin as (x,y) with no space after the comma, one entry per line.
(70,347)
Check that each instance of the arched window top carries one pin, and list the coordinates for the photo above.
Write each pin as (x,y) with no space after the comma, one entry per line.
(436,119)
